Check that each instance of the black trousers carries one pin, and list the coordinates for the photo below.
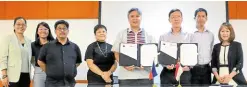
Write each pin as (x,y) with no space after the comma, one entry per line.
(201,75)
(59,85)
(167,77)
(136,83)
(50,82)
(24,81)
(185,78)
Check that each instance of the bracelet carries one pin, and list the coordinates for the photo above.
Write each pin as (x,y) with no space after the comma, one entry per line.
(4,76)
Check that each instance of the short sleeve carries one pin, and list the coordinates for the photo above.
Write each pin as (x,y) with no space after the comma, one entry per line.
(43,53)
(89,52)
(115,47)
(78,52)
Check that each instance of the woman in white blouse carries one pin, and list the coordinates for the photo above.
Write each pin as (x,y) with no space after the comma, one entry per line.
(227,58)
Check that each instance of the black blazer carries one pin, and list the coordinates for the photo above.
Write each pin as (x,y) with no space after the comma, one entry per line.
(235,60)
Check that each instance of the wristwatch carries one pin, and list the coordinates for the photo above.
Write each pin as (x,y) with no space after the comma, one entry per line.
(4,76)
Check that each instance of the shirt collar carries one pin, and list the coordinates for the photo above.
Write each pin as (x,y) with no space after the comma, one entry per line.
(67,43)
(181,31)
(129,30)
(205,30)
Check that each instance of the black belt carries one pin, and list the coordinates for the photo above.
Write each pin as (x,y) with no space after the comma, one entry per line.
(223,65)
(203,66)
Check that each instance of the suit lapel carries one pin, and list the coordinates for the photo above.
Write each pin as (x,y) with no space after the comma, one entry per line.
(230,53)
(218,52)
(16,43)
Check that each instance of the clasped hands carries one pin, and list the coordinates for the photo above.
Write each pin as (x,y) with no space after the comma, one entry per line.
(224,79)
(106,76)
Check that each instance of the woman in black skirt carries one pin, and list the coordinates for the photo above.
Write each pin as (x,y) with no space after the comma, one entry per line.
(100,59)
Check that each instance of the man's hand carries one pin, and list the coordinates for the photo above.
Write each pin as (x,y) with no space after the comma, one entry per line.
(141,68)
(186,68)
(130,68)
(170,67)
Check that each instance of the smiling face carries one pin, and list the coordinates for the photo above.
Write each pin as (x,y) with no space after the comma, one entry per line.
(100,34)
(176,19)
(62,31)
(134,19)
(20,26)
(225,33)
(43,32)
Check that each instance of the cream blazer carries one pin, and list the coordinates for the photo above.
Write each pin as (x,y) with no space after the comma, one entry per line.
(10,56)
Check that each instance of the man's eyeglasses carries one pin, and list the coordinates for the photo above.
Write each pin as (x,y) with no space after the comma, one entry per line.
(62,29)
(20,24)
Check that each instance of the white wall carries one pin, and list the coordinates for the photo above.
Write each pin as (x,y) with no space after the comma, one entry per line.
(155,21)
(155,17)
(240,27)
(81,33)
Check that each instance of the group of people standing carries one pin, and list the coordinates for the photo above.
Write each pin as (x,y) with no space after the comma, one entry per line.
(56,60)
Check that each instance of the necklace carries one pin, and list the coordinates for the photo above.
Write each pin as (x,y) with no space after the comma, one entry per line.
(103,53)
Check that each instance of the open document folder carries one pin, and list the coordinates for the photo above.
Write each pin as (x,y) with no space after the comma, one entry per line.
(137,54)
(168,53)
(148,53)
(128,55)
(188,53)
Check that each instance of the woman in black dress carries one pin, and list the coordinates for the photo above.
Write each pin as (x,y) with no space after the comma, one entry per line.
(100,59)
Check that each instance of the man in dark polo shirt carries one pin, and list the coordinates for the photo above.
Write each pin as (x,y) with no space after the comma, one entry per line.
(59,58)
